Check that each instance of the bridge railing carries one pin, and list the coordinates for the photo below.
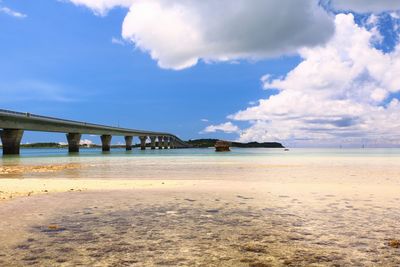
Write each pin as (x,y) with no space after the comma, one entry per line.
(30,115)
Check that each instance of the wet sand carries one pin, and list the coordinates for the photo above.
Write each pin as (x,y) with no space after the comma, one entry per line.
(327,212)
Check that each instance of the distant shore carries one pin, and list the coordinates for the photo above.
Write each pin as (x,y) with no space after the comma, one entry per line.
(196,143)
(204,143)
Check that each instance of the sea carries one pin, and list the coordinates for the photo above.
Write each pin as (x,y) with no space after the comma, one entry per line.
(180,162)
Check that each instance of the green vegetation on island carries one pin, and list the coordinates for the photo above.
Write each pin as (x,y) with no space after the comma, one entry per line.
(62,145)
(43,145)
(203,143)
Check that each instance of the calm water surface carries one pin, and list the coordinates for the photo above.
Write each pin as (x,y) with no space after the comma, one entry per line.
(209,152)
(190,163)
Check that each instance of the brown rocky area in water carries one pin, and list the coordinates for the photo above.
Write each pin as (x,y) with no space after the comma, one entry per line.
(222,146)
(21,169)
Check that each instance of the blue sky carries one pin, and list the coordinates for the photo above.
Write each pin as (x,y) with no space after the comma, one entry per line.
(68,51)
(59,59)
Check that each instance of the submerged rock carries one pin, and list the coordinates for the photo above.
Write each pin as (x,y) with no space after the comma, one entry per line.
(212,211)
(394,243)
(53,228)
(255,248)
(222,146)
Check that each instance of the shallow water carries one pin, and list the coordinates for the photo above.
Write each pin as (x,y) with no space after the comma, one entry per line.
(194,163)
(202,228)
(245,208)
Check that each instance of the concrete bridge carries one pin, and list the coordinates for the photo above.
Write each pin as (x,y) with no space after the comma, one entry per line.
(15,123)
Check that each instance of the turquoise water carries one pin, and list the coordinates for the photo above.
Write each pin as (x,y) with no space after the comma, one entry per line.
(209,152)
(240,163)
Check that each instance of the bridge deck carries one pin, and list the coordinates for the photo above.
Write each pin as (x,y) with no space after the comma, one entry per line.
(31,122)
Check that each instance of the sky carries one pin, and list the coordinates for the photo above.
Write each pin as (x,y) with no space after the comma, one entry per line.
(303,73)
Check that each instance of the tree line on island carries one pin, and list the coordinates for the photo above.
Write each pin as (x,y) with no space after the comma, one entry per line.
(204,143)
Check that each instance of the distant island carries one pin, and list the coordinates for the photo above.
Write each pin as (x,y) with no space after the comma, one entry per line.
(203,143)
(43,145)
(62,145)
(196,143)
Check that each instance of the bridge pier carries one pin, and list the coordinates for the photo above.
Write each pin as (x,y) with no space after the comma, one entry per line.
(128,142)
(153,142)
(143,142)
(106,143)
(160,142)
(166,142)
(73,142)
(171,143)
(11,140)
(174,143)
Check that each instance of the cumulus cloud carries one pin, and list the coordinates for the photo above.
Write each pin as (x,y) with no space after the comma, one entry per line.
(365,6)
(12,13)
(227,127)
(179,33)
(341,92)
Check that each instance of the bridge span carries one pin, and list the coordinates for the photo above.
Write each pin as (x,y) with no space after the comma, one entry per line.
(15,123)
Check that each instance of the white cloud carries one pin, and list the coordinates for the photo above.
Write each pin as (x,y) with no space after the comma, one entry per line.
(35,90)
(117,41)
(12,13)
(395,15)
(101,7)
(179,33)
(365,6)
(339,93)
(226,127)
(252,103)
(204,120)
(86,142)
